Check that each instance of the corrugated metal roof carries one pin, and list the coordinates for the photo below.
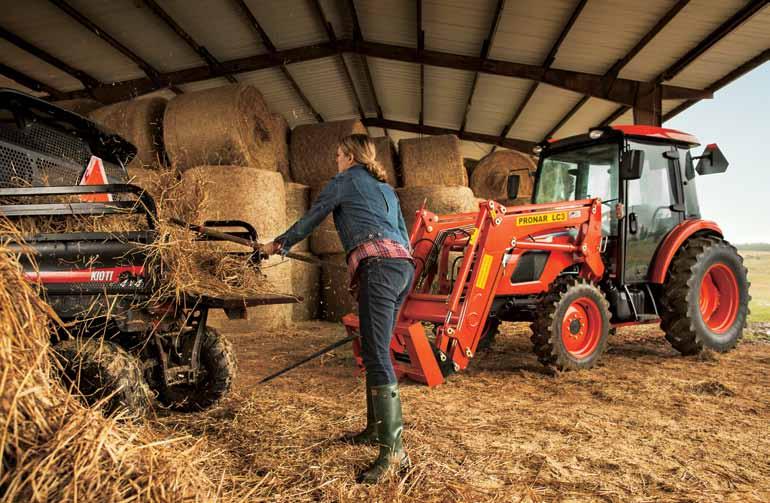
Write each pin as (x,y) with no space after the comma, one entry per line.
(457,26)
(547,106)
(391,22)
(289,24)
(279,95)
(323,82)
(589,115)
(398,88)
(494,102)
(35,68)
(357,73)
(446,94)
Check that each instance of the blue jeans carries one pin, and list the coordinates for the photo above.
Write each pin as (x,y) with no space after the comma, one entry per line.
(384,284)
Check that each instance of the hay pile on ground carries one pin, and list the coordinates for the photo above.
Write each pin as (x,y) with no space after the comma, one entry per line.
(490,176)
(141,123)
(228,125)
(314,150)
(439,200)
(432,160)
(388,158)
(54,448)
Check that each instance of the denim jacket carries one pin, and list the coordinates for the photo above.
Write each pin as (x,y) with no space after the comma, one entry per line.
(363,207)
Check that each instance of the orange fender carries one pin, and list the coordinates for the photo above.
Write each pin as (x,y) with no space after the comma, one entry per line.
(674,241)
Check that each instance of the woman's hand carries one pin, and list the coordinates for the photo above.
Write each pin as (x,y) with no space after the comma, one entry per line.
(267,249)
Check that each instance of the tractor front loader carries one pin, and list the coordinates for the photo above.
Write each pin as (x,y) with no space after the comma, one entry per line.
(613,237)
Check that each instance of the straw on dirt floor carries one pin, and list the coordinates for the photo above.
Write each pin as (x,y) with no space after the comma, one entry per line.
(439,200)
(336,301)
(280,133)
(432,160)
(297,204)
(141,123)
(228,125)
(56,449)
(490,177)
(388,158)
(80,106)
(306,281)
(314,150)
(324,240)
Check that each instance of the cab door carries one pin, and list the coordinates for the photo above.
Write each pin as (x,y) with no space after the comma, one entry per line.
(652,208)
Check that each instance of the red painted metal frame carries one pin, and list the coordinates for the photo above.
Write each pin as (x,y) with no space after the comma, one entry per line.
(493,240)
(658,132)
(674,240)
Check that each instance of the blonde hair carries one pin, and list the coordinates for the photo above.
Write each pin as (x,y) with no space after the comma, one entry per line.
(362,148)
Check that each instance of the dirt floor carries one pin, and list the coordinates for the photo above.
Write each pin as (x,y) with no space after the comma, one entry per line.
(645,425)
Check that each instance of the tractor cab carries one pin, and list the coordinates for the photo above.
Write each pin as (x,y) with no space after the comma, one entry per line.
(644,177)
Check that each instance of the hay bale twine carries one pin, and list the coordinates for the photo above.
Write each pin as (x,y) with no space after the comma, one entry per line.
(490,177)
(433,160)
(306,280)
(324,240)
(297,204)
(279,132)
(228,125)
(440,200)
(336,301)
(80,106)
(314,150)
(387,157)
(141,123)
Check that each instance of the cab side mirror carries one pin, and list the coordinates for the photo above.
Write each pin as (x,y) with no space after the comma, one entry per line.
(513,186)
(711,161)
(631,165)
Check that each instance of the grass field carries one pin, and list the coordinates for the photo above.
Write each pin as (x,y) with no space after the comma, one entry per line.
(758,264)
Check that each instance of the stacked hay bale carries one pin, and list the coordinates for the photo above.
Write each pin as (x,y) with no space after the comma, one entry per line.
(305,276)
(490,177)
(388,159)
(279,130)
(434,172)
(80,106)
(313,163)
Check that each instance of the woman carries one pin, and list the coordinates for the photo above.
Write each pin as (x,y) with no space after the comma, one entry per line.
(372,230)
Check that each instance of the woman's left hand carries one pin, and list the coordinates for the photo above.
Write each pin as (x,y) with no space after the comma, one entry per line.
(268,249)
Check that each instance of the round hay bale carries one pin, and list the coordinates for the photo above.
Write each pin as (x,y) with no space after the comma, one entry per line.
(279,131)
(336,301)
(324,240)
(440,200)
(228,125)
(470,165)
(387,157)
(306,279)
(314,150)
(433,160)
(297,204)
(490,177)
(80,106)
(141,123)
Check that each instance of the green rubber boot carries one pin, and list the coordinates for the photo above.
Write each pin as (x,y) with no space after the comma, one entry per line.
(369,435)
(387,412)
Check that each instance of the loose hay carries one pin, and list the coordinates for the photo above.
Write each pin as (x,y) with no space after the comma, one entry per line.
(440,200)
(314,150)
(228,125)
(388,158)
(324,240)
(80,106)
(297,204)
(141,123)
(432,160)
(306,279)
(336,301)
(490,177)
(280,132)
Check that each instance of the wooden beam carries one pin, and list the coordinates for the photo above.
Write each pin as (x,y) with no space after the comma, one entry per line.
(549,59)
(512,143)
(615,115)
(246,11)
(151,72)
(316,4)
(85,78)
(176,28)
(486,46)
(29,82)
(358,37)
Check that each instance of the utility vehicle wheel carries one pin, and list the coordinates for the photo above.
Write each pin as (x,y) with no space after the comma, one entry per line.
(491,329)
(99,369)
(218,368)
(706,297)
(571,325)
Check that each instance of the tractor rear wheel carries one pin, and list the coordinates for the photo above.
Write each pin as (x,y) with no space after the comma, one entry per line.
(99,369)
(571,325)
(705,297)
(218,368)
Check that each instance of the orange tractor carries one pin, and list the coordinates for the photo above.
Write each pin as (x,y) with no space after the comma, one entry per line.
(613,237)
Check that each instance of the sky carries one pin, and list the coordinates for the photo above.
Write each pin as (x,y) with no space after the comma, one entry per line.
(738,120)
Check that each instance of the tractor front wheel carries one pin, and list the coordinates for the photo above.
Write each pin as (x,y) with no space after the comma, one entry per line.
(571,325)
(706,297)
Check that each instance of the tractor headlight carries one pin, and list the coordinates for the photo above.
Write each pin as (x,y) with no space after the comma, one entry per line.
(595,134)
